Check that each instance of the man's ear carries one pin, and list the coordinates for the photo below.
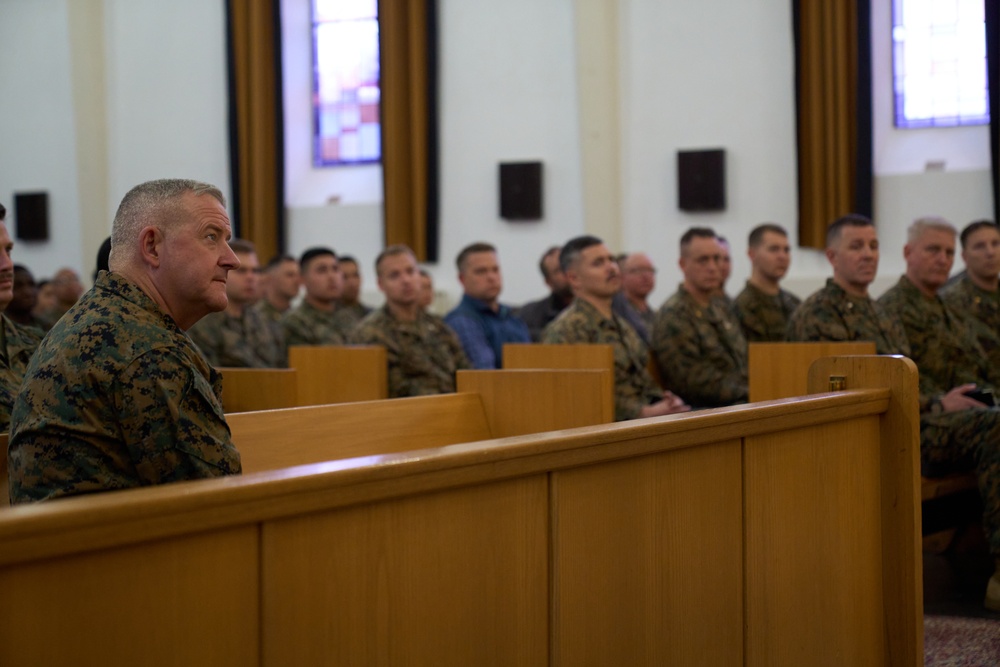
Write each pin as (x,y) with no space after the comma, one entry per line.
(830,252)
(150,246)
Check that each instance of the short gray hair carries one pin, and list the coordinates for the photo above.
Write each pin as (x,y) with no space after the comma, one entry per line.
(919,226)
(151,203)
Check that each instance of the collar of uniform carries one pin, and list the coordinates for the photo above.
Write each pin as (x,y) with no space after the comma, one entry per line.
(117,284)
(907,286)
(590,311)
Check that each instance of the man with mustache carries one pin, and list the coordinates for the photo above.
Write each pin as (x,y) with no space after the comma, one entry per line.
(594,277)
(17,343)
(117,395)
(698,342)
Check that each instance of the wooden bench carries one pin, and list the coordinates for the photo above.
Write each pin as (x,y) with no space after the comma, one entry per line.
(339,373)
(549,355)
(246,389)
(779,534)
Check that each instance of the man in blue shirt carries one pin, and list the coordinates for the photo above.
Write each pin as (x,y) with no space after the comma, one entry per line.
(482,323)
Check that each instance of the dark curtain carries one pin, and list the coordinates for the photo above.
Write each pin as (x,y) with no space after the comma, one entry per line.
(834,108)
(993,77)
(407,47)
(256,139)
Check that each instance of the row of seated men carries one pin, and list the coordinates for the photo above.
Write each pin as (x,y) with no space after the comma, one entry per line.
(117,396)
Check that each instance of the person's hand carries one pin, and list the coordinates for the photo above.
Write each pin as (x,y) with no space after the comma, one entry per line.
(670,404)
(957,400)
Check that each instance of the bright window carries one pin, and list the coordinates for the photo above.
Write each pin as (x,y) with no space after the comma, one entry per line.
(939,63)
(347,125)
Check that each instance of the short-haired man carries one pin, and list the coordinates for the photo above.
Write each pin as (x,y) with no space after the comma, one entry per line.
(595,278)
(21,308)
(843,310)
(239,336)
(350,310)
(638,282)
(538,314)
(698,343)
(117,396)
(280,284)
(67,289)
(313,321)
(17,342)
(763,307)
(422,352)
(956,430)
(725,267)
(976,295)
(482,323)
(426,296)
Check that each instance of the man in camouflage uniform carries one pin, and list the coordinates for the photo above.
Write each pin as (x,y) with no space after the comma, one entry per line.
(280,284)
(976,295)
(239,337)
(956,431)
(843,310)
(350,310)
(697,340)
(17,342)
(314,321)
(763,308)
(422,352)
(595,278)
(117,395)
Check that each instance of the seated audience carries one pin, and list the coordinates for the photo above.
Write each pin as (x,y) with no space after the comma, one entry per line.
(46,301)
(239,337)
(763,307)
(976,295)
(279,285)
(422,352)
(117,396)
(17,342)
(21,308)
(842,310)
(482,323)
(537,314)
(699,346)
(67,288)
(957,430)
(313,321)
(638,282)
(350,310)
(594,278)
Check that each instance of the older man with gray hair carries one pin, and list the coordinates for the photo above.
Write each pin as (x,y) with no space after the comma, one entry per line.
(117,395)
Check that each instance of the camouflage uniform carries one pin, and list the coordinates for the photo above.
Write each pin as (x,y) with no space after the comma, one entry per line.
(764,317)
(701,351)
(249,341)
(947,355)
(116,396)
(308,325)
(831,314)
(347,317)
(583,323)
(269,312)
(17,344)
(422,355)
(981,311)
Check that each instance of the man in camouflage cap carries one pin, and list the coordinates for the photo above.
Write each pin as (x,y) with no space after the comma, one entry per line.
(976,294)
(422,352)
(314,321)
(239,336)
(763,307)
(843,310)
(957,431)
(697,340)
(17,342)
(117,395)
(595,278)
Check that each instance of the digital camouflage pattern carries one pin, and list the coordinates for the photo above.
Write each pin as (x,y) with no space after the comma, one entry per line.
(422,355)
(347,317)
(269,312)
(17,344)
(308,325)
(701,351)
(247,341)
(981,311)
(947,355)
(764,317)
(831,314)
(116,396)
(581,322)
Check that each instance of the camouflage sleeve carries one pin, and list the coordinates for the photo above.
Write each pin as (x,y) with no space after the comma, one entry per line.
(687,369)
(295,331)
(172,421)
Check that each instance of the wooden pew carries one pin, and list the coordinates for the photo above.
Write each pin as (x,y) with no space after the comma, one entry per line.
(489,404)
(246,389)
(339,373)
(781,533)
(548,355)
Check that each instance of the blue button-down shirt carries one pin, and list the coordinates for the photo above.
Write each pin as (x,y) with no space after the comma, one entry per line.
(483,331)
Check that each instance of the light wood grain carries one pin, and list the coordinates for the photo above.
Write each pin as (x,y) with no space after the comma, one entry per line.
(246,389)
(339,373)
(546,355)
(780,370)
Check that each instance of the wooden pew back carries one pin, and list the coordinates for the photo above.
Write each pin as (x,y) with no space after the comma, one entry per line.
(247,389)
(547,355)
(779,370)
(339,373)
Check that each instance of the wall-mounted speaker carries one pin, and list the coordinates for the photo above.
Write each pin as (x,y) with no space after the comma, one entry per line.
(521,190)
(701,180)
(31,210)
